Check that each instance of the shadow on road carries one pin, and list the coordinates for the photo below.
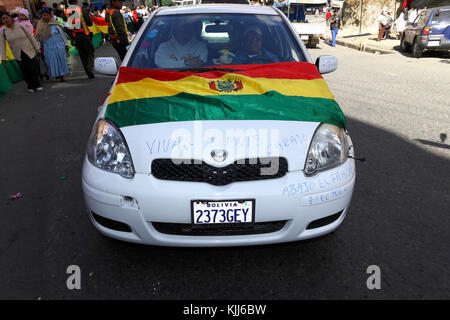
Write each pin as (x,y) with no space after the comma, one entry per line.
(433,144)
(426,54)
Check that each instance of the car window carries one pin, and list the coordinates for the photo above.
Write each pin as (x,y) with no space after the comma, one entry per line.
(426,16)
(422,19)
(199,40)
(443,17)
(418,19)
(314,13)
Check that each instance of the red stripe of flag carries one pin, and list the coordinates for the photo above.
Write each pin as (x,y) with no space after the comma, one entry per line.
(99,21)
(283,70)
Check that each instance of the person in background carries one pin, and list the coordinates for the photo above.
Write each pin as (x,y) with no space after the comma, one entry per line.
(24,19)
(103,11)
(413,15)
(138,19)
(382,20)
(2,11)
(35,22)
(79,21)
(42,5)
(335,25)
(103,15)
(54,44)
(117,28)
(401,23)
(143,11)
(328,17)
(389,22)
(24,48)
(135,17)
(60,17)
(126,12)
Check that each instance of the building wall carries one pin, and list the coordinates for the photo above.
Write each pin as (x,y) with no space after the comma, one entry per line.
(10,5)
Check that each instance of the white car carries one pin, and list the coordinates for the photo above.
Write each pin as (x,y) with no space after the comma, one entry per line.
(218,141)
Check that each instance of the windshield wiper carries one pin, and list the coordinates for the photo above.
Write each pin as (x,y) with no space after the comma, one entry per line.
(200,70)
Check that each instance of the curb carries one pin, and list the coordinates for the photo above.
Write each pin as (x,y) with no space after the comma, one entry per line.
(367,48)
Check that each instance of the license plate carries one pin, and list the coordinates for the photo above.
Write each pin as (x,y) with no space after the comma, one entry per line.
(434,43)
(223,211)
(304,37)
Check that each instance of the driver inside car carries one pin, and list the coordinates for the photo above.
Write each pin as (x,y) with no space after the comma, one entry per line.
(184,49)
(252,51)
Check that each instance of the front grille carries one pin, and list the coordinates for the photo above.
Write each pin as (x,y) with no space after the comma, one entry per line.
(220,229)
(241,170)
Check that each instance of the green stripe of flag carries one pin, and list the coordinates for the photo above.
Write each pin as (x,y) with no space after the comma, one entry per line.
(188,107)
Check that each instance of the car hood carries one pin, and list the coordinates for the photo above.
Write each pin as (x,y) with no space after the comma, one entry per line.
(244,111)
(197,140)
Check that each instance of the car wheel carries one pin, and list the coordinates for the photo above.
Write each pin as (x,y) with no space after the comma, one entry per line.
(310,43)
(404,46)
(417,50)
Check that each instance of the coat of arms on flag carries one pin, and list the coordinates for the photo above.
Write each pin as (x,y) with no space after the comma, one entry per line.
(226,86)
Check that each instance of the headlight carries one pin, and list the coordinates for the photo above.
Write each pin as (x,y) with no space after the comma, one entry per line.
(329,148)
(108,150)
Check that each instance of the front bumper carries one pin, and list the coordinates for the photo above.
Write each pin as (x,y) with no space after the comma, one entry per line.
(144,200)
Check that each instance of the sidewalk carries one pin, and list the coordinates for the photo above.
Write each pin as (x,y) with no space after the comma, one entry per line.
(367,41)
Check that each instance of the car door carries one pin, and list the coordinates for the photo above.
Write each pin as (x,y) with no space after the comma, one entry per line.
(423,18)
(412,30)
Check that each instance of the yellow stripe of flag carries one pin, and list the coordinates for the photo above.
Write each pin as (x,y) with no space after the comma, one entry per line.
(151,88)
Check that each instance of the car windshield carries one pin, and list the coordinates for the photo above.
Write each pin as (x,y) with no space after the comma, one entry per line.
(202,40)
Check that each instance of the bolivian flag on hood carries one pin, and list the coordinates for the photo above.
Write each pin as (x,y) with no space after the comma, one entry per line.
(292,91)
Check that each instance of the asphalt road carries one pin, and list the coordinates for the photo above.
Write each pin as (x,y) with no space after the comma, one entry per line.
(398,113)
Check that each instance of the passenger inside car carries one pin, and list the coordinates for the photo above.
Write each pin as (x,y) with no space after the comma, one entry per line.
(184,49)
(252,50)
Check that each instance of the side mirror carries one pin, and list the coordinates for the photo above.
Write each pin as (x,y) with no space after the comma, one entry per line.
(326,64)
(106,65)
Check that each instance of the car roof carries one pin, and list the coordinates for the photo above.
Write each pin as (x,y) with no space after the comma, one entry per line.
(438,8)
(441,8)
(217,8)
